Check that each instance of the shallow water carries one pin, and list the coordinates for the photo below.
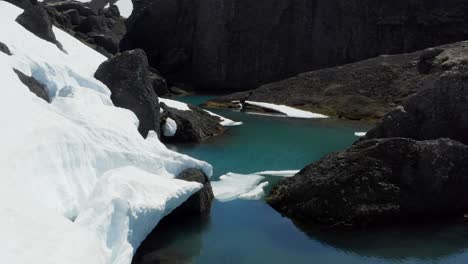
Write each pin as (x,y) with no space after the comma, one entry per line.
(252,232)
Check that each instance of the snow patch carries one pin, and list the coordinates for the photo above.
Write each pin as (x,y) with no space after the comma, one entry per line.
(360,134)
(169,127)
(287,110)
(282,173)
(125,7)
(233,185)
(256,194)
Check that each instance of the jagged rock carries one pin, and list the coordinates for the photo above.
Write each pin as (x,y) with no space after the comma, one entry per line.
(382,181)
(129,78)
(101,29)
(36,20)
(34,86)
(196,125)
(229,45)
(199,204)
(363,90)
(439,111)
(4,48)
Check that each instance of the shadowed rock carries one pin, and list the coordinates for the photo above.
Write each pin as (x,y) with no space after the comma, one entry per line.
(33,85)
(129,78)
(382,181)
(4,48)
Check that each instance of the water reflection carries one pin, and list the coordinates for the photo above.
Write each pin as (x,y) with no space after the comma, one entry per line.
(176,241)
(425,242)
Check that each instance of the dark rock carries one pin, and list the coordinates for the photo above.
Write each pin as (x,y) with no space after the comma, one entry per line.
(439,111)
(36,20)
(159,83)
(111,12)
(192,126)
(128,77)
(239,45)
(384,181)
(363,90)
(63,6)
(4,48)
(74,17)
(106,42)
(199,204)
(34,86)
(92,24)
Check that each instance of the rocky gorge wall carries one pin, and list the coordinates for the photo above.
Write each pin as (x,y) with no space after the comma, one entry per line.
(239,45)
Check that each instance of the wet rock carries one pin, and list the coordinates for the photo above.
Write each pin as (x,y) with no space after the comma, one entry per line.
(129,78)
(376,182)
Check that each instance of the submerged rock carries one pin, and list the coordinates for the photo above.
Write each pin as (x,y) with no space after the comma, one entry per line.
(129,78)
(381,181)
(195,125)
(34,86)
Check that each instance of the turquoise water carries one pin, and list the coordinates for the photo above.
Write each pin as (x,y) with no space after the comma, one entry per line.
(251,232)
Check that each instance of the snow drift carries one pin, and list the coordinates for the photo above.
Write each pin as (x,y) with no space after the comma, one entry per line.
(78,182)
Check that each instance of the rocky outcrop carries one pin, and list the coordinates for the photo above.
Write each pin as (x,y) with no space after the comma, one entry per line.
(4,48)
(131,82)
(438,111)
(379,181)
(363,90)
(199,204)
(100,28)
(35,19)
(195,125)
(34,86)
(239,45)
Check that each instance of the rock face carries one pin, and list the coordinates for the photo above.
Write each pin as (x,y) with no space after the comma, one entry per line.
(199,204)
(439,111)
(131,82)
(4,48)
(100,28)
(239,45)
(363,90)
(192,126)
(35,19)
(33,85)
(379,181)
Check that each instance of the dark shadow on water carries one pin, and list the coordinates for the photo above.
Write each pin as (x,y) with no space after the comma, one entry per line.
(173,241)
(422,241)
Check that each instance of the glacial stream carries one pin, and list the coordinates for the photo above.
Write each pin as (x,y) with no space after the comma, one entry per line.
(246,231)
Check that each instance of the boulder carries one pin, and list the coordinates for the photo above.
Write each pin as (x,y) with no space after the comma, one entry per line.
(233,45)
(36,20)
(199,204)
(380,181)
(195,125)
(436,112)
(4,48)
(364,90)
(129,78)
(34,86)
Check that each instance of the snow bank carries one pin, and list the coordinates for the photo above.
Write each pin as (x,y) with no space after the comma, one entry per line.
(287,110)
(256,194)
(56,159)
(169,127)
(184,107)
(233,185)
(126,196)
(282,173)
(360,134)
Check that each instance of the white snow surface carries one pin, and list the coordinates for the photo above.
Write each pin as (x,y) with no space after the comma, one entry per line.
(360,134)
(169,127)
(233,186)
(184,107)
(76,158)
(125,7)
(256,194)
(287,110)
(282,173)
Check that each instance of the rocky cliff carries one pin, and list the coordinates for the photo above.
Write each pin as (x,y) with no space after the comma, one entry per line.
(238,45)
